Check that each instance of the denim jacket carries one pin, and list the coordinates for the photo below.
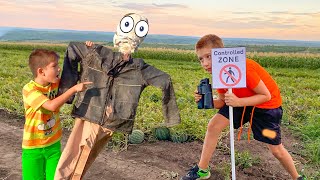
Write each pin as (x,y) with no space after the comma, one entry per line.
(116,84)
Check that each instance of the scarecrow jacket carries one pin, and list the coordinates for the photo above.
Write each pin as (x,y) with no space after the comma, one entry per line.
(116,89)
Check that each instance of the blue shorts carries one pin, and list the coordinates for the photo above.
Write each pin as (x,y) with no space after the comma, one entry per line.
(262,119)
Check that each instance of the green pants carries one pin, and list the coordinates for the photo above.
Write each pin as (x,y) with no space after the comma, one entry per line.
(40,163)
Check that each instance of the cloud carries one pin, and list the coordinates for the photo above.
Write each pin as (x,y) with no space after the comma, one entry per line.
(281,13)
(278,19)
(169,5)
(183,18)
(134,6)
(270,24)
(151,8)
(244,13)
(65,15)
(252,26)
(294,13)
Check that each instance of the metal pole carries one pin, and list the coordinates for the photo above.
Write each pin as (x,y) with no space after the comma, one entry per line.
(233,164)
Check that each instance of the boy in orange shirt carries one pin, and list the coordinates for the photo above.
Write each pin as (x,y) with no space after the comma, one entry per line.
(42,130)
(260,102)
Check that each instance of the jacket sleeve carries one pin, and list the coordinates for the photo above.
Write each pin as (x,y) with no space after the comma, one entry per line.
(74,54)
(155,77)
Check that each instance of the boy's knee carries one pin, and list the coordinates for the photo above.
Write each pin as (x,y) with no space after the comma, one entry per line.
(217,125)
(278,151)
(212,127)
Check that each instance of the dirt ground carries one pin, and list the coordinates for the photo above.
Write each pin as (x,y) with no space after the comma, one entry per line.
(150,160)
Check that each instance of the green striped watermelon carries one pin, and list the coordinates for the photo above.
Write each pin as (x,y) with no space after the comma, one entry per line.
(162,133)
(179,137)
(136,137)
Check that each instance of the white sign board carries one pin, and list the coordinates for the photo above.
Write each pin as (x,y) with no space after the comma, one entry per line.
(228,68)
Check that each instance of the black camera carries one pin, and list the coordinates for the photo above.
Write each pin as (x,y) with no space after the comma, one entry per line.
(205,90)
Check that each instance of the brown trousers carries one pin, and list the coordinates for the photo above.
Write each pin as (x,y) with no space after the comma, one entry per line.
(84,144)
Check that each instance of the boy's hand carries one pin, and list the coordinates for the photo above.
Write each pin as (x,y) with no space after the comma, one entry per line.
(108,111)
(81,86)
(126,56)
(197,96)
(232,100)
(89,43)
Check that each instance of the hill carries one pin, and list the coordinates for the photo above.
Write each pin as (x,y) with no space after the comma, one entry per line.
(60,35)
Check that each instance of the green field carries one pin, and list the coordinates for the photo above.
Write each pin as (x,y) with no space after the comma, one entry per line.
(296,73)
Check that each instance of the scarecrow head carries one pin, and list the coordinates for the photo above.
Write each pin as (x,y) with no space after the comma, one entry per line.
(131,31)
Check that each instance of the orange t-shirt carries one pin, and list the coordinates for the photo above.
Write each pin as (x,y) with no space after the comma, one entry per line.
(255,73)
(42,127)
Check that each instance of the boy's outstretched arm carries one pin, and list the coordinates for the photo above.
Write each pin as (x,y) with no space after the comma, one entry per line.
(56,103)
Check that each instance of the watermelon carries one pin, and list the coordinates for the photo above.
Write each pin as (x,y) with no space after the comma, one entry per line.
(136,137)
(179,137)
(162,133)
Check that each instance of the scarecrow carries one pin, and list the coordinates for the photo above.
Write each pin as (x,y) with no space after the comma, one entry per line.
(109,104)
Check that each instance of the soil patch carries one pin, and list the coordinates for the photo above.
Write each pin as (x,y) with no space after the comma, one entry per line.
(160,160)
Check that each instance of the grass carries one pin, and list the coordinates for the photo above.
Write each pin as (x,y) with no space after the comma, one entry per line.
(296,73)
(245,160)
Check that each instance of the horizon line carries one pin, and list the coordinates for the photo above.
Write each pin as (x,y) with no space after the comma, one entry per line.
(58,29)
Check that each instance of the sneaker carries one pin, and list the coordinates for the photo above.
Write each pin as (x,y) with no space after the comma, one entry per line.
(302,178)
(195,173)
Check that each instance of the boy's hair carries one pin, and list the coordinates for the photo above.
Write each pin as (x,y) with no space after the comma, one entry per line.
(209,40)
(40,58)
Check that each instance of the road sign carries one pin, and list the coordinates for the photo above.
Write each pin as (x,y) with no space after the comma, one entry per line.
(228,68)
(229,71)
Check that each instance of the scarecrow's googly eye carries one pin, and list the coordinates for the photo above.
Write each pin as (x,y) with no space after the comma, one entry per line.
(142,28)
(126,24)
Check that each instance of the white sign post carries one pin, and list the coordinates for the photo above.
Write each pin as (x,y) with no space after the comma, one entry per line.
(229,71)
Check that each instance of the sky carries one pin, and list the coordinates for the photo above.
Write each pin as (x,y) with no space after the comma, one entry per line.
(267,19)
